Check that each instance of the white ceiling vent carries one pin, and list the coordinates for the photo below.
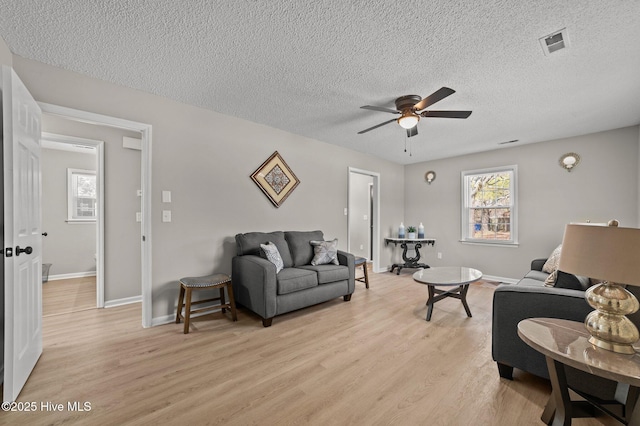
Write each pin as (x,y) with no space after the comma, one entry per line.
(555,41)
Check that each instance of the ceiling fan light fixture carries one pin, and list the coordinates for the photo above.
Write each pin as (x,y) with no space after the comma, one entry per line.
(408,120)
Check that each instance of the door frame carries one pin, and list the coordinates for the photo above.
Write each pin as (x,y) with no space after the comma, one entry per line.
(375,243)
(146,132)
(99,152)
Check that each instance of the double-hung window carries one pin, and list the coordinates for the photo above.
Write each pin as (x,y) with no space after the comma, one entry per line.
(489,206)
(81,195)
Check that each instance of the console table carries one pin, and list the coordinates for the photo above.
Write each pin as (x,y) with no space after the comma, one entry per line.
(409,262)
(565,342)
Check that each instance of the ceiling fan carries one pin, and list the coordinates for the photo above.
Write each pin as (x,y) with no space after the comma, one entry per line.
(411,108)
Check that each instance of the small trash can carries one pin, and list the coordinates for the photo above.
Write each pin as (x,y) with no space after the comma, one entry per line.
(45,271)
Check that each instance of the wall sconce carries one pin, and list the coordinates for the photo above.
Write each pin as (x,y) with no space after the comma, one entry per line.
(430,176)
(569,160)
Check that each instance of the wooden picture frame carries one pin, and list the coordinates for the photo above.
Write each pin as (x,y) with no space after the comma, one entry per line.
(275,179)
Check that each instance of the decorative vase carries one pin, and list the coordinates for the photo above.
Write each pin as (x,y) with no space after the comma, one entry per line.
(401,231)
(421,231)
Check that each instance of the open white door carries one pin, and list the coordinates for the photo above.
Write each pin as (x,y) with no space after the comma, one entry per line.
(21,119)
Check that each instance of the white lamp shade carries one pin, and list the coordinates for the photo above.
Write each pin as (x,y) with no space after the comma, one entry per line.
(603,252)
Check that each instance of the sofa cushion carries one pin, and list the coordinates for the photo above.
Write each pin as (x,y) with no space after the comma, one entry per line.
(272,254)
(530,282)
(329,273)
(295,279)
(300,245)
(325,252)
(537,275)
(249,243)
(557,279)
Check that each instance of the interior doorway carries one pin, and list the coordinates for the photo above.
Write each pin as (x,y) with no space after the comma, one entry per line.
(144,237)
(363,215)
(73,222)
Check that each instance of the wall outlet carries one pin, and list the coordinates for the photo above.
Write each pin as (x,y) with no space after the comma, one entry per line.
(166,215)
(346,211)
(361,247)
(439,255)
(138,217)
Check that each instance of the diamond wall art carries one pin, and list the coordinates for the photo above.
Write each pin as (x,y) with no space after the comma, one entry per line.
(275,179)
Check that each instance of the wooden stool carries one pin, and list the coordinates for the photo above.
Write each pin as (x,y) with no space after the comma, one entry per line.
(362,261)
(188,284)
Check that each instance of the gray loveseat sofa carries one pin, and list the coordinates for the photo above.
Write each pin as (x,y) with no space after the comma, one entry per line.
(529,298)
(258,287)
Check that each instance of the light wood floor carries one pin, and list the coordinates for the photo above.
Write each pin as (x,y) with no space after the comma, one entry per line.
(371,361)
(68,295)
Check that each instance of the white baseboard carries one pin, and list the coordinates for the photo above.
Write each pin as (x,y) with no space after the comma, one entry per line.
(487,277)
(72,275)
(500,279)
(124,301)
(172,318)
(163,320)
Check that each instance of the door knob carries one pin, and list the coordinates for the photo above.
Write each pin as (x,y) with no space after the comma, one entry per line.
(44,234)
(27,250)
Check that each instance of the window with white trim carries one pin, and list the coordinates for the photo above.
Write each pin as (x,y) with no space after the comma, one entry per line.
(81,195)
(489,205)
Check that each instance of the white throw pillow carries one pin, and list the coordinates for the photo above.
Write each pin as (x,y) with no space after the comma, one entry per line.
(553,261)
(273,255)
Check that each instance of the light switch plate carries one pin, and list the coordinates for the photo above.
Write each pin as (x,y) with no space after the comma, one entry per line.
(166,196)
(166,215)
(139,192)
(138,217)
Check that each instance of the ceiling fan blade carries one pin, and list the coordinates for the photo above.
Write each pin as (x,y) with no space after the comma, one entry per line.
(412,131)
(446,114)
(376,126)
(436,96)
(381,109)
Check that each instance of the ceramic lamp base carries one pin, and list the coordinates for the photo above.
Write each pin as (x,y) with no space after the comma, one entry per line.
(609,327)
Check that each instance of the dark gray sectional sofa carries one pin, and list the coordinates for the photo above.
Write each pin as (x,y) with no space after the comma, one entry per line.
(258,287)
(529,298)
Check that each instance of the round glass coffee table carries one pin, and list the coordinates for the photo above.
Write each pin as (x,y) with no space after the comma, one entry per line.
(447,276)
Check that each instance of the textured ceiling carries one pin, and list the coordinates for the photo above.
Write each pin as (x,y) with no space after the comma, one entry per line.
(307,67)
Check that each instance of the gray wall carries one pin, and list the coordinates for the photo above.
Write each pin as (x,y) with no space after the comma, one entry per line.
(69,247)
(359,207)
(122,180)
(206,159)
(603,186)
(6,58)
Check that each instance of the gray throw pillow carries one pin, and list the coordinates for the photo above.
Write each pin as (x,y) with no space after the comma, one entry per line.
(325,252)
(273,255)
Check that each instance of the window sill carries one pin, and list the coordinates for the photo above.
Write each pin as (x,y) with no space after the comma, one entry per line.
(80,221)
(491,244)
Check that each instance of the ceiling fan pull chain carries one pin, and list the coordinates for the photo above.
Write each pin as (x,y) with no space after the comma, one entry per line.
(405,142)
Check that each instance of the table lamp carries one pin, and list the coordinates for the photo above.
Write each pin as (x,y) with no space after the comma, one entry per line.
(611,254)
